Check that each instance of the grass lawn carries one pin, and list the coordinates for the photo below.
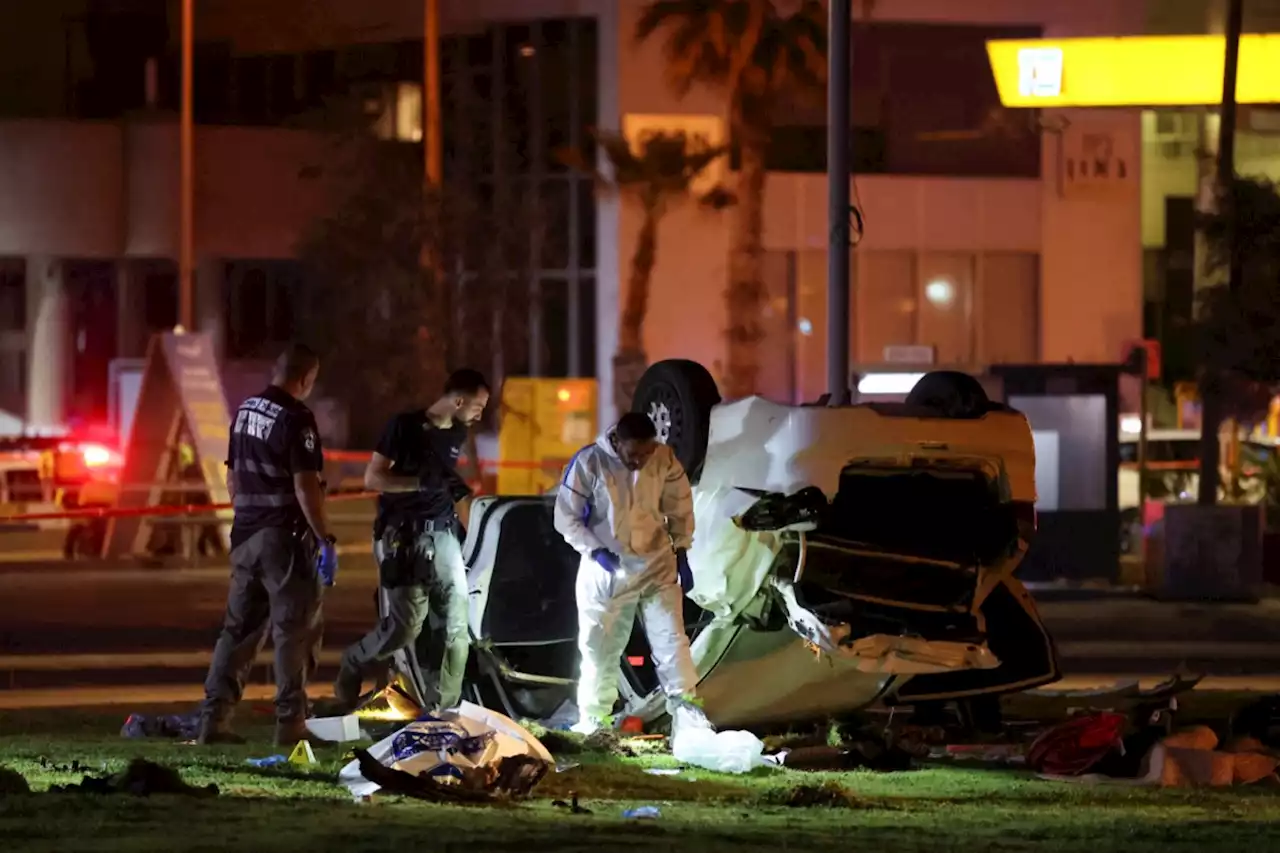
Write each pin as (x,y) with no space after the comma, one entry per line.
(932,809)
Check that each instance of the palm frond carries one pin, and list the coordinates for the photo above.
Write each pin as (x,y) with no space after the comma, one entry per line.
(746,48)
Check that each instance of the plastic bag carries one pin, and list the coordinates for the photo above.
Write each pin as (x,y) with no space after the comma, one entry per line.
(723,752)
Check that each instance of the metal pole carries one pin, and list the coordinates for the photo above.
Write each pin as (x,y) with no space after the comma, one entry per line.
(433,166)
(838,172)
(186,241)
(1143,414)
(433,146)
(1211,407)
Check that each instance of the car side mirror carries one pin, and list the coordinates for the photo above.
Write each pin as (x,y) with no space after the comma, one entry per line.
(776,512)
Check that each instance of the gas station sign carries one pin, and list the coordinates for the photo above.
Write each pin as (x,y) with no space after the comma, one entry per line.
(1132,71)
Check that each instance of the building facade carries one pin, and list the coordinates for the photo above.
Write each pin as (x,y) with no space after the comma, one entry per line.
(982,241)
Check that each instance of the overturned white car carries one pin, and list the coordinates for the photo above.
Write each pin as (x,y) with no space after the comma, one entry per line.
(842,557)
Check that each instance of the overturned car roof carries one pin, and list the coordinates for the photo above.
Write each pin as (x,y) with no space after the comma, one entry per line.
(759,444)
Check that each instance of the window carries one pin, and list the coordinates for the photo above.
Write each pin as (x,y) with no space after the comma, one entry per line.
(512,97)
(260,306)
(397,108)
(1009,319)
(924,102)
(251,74)
(13,295)
(160,296)
(554,311)
(211,82)
(319,77)
(283,91)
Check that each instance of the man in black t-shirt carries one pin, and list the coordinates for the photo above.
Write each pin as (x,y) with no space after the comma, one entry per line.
(415,540)
(280,543)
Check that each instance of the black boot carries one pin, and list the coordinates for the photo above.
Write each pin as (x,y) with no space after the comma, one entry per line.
(346,695)
(289,732)
(217,732)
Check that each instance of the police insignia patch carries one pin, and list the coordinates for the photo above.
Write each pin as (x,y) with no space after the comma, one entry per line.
(309,439)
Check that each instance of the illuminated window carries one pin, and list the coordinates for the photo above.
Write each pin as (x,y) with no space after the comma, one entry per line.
(397,114)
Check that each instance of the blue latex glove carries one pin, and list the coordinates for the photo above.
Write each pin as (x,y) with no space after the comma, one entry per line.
(606,560)
(327,561)
(683,572)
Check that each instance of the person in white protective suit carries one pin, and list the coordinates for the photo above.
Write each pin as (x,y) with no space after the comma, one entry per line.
(625,505)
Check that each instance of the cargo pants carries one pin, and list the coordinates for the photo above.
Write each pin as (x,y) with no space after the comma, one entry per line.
(428,583)
(274,587)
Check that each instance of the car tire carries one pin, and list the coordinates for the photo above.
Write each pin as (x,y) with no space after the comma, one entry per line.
(951,394)
(678,396)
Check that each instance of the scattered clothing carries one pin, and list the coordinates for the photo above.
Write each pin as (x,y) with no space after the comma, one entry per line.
(174,726)
(1074,747)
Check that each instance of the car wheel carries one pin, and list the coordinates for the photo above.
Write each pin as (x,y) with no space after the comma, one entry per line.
(678,396)
(950,393)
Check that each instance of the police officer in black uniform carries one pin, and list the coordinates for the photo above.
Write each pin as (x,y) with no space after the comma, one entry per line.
(416,542)
(281,552)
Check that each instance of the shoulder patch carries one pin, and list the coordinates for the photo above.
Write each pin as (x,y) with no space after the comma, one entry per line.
(309,439)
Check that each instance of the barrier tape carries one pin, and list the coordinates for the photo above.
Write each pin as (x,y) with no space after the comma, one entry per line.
(485,464)
(143,511)
(206,509)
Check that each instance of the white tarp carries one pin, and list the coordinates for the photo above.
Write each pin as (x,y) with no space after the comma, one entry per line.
(443,746)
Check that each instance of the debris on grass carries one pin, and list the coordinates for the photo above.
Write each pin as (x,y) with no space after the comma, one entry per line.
(643,813)
(141,778)
(864,756)
(829,795)
(607,742)
(12,782)
(53,767)
(572,805)
(513,777)
(172,726)
(269,761)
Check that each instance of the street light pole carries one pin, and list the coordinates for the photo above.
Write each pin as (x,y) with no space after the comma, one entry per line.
(186,190)
(433,145)
(838,172)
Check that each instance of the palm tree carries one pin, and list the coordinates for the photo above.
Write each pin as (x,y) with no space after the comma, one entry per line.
(656,175)
(758,55)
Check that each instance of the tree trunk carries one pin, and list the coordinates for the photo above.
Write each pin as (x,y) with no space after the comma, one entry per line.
(630,361)
(631,335)
(745,297)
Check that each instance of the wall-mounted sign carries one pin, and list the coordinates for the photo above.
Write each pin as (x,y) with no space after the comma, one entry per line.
(1132,71)
(636,126)
(1097,159)
(1040,72)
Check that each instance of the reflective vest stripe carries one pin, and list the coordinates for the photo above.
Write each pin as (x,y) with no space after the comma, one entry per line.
(264,500)
(266,469)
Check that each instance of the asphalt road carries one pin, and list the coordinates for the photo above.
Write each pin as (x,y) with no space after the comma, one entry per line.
(55,609)
(48,607)
(136,610)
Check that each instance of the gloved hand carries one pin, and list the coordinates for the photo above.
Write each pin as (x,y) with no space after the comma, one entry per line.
(606,560)
(327,561)
(683,572)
